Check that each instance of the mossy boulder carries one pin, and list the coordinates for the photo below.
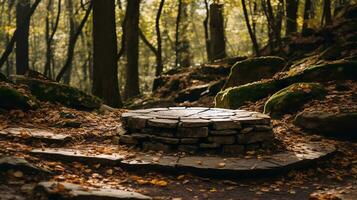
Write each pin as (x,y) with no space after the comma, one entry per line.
(56,92)
(238,96)
(341,125)
(11,98)
(254,69)
(235,97)
(291,98)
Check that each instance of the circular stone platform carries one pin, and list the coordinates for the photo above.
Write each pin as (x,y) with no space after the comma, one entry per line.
(197,129)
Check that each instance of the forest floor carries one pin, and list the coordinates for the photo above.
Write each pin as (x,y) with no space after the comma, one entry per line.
(332,178)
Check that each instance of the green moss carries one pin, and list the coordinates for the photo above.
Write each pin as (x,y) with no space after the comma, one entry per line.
(56,92)
(235,97)
(254,69)
(292,98)
(10,98)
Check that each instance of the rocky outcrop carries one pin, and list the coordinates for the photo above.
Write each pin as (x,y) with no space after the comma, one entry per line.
(291,98)
(341,125)
(237,96)
(11,98)
(254,69)
(60,93)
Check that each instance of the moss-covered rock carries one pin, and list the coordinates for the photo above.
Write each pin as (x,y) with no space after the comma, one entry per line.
(342,125)
(291,98)
(56,92)
(11,98)
(254,69)
(235,97)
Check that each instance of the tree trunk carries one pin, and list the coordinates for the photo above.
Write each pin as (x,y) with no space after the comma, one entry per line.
(71,46)
(177,33)
(132,49)
(71,43)
(307,15)
(22,42)
(291,16)
(105,67)
(15,36)
(205,26)
(216,26)
(326,14)
(252,36)
(159,65)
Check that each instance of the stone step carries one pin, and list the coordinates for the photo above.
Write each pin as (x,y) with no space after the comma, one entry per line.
(34,133)
(69,191)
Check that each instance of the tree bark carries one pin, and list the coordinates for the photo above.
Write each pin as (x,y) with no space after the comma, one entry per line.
(326,14)
(49,38)
(216,26)
(159,64)
(22,42)
(74,34)
(252,36)
(177,33)
(15,36)
(307,15)
(205,26)
(291,16)
(105,67)
(132,49)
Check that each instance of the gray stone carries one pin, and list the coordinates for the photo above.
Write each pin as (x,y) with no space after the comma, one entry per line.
(209,145)
(50,190)
(189,140)
(252,147)
(233,149)
(166,140)
(262,127)
(254,137)
(137,122)
(222,139)
(159,132)
(187,148)
(194,122)
(41,134)
(194,132)
(223,124)
(128,139)
(141,136)
(20,164)
(163,123)
(254,120)
(156,146)
(223,132)
(246,130)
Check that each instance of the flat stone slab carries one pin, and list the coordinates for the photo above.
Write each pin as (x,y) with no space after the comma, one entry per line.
(41,134)
(304,154)
(19,164)
(79,155)
(210,125)
(68,191)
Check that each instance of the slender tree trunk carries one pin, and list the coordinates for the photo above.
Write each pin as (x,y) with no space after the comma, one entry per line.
(291,16)
(217,38)
(252,36)
(326,14)
(15,36)
(49,37)
(105,68)
(132,49)
(72,44)
(205,26)
(307,14)
(177,33)
(22,42)
(159,65)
